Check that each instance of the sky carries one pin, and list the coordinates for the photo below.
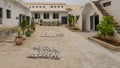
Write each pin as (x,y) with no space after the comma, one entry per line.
(73,2)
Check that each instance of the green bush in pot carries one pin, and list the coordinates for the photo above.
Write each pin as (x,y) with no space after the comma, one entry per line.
(24,25)
(28,33)
(32,25)
(18,39)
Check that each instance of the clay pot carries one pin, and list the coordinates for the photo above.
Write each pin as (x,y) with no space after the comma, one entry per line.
(24,36)
(18,40)
(31,30)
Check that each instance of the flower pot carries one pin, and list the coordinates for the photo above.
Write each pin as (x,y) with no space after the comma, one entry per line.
(18,40)
(28,34)
(41,24)
(24,36)
(31,30)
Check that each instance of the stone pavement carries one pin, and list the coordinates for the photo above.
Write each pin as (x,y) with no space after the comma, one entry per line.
(76,52)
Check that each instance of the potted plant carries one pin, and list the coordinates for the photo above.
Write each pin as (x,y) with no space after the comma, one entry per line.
(28,33)
(70,19)
(18,39)
(32,26)
(41,21)
(23,28)
(106,27)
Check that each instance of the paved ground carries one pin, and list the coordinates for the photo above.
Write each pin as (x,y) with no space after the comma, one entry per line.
(76,52)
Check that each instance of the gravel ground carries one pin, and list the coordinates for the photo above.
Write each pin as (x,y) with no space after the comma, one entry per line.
(75,49)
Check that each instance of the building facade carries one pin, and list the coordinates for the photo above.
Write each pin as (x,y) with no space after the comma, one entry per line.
(48,12)
(75,10)
(12,13)
(92,12)
(90,17)
(112,7)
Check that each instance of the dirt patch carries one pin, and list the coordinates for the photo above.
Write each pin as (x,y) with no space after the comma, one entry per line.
(111,41)
(74,29)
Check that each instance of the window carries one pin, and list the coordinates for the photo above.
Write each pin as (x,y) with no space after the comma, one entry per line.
(37,15)
(107,4)
(61,6)
(55,15)
(77,18)
(39,6)
(36,6)
(8,13)
(46,15)
(33,6)
(43,6)
(54,6)
(1,13)
(58,6)
(51,6)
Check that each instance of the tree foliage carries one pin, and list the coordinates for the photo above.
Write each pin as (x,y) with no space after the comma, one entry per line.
(106,27)
(32,24)
(24,25)
(18,30)
(71,20)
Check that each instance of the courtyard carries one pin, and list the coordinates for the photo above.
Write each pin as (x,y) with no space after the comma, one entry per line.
(75,49)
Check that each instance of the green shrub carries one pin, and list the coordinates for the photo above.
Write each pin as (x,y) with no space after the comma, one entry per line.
(18,31)
(28,34)
(106,27)
(24,25)
(32,25)
(71,20)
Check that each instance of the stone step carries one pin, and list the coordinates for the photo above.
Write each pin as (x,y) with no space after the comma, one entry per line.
(8,39)
(104,12)
(2,39)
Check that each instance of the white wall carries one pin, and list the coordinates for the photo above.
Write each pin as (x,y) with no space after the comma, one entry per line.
(114,9)
(77,12)
(47,8)
(15,11)
(61,10)
(84,21)
(89,9)
(61,14)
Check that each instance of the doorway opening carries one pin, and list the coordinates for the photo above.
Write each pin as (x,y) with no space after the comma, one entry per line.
(21,17)
(1,15)
(94,21)
(28,20)
(64,20)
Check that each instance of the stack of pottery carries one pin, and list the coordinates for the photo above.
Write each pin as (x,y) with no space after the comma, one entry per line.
(44,52)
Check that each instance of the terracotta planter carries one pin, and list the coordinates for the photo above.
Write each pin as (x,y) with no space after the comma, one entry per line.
(34,29)
(23,36)
(18,40)
(31,30)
